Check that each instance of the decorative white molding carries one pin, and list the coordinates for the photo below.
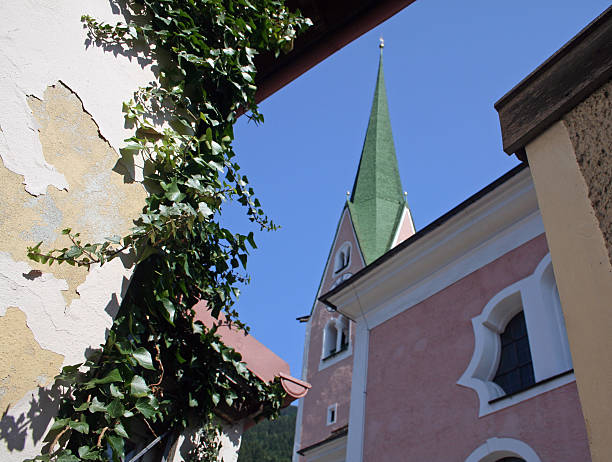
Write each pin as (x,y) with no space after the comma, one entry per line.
(497,448)
(535,296)
(297,440)
(354,447)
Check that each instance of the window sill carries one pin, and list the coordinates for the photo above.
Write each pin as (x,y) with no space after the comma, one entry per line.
(543,386)
(535,385)
(336,356)
(335,353)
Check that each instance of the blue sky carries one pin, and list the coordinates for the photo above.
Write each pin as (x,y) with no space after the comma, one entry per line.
(446,63)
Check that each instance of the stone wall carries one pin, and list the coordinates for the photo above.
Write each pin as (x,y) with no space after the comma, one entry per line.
(590,129)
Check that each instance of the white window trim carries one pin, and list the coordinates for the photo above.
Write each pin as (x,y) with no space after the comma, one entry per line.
(327,360)
(547,340)
(334,408)
(496,448)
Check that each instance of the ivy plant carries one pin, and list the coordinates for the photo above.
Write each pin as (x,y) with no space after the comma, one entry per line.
(160,371)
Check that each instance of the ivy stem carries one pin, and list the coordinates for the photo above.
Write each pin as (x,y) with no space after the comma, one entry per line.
(101,436)
(161,366)
(148,425)
(56,439)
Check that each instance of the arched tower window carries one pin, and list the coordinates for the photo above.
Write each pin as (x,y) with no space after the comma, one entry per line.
(343,257)
(336,337)
(515,369)
(330,339)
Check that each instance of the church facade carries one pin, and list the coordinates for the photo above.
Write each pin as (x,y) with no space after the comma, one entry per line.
(446,344)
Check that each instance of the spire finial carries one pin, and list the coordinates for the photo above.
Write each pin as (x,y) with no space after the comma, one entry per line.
(382,42)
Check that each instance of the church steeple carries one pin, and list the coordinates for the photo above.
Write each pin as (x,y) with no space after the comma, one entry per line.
(377,203)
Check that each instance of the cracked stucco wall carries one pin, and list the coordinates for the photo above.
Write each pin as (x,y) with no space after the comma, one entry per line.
(61,127)
(590,129)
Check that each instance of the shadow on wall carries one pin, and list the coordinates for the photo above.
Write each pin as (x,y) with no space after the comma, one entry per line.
(42,408)
(142,54)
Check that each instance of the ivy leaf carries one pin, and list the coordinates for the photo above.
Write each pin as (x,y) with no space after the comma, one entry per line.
(215,398)
(115,408)
(230,397)
(73,252)
(170,310)
(173,193)
(59,424)
(112,376)
(216,148)
(116,443)
(115,392)
(86,453)
(81,427)
(145,408)
(96,406)
(67,457)
(115,239)
(204,209)
(120,430)
(143,357)
(138,387)
(69,373)
(82,407)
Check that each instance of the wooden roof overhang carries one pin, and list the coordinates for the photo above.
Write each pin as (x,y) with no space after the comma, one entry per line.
(558,85)
(335,24)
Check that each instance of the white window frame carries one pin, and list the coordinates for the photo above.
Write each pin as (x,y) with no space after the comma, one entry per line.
(498,448)
(536,296)
(332,408)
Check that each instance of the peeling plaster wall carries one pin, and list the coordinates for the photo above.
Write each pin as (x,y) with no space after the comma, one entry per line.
(590,129)
(22,357)
(61,127)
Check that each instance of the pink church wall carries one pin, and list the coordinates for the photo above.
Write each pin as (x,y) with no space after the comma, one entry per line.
(414,408)
(332,384)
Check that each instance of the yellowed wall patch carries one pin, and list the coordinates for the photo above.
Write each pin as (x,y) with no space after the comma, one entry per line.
(24,365)
(100,202)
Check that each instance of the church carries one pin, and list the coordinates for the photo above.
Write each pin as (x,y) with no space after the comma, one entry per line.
(444,344)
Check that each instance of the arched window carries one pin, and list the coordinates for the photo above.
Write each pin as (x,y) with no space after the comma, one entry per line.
(503,450)
(343,257)
(521,347)
(515,369)
(330,339)
(336,341)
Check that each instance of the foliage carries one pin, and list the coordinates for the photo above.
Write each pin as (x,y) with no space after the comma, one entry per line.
(158,367)
(270,441)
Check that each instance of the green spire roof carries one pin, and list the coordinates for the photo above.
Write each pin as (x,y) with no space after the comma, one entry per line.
(377,202)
